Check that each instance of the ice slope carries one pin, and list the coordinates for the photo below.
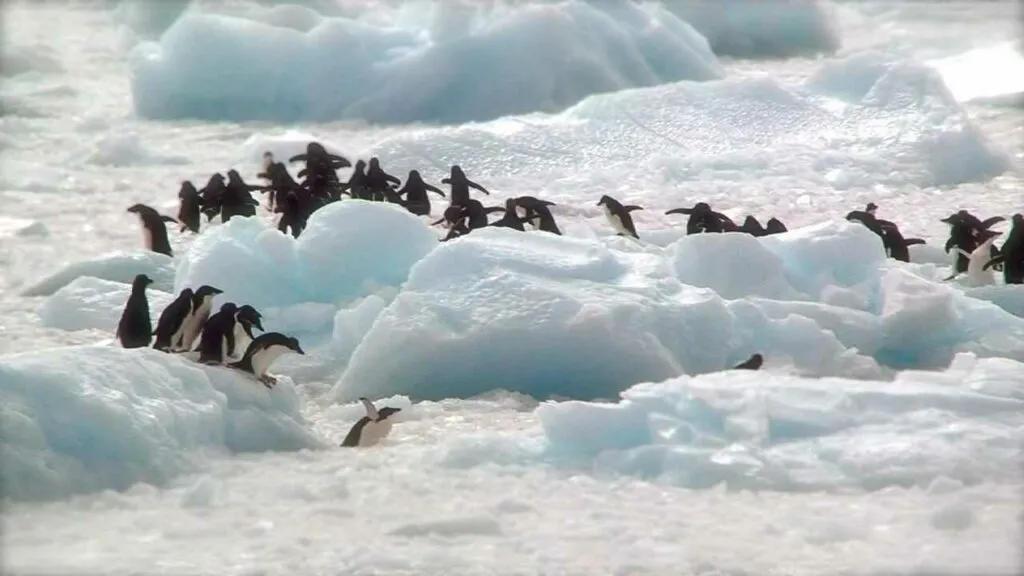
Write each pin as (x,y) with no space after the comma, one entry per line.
(518,58)
(88,418)
(115,267)
(939,430)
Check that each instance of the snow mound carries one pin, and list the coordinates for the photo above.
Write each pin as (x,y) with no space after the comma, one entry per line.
(12,227)
(116,267)
(756,29)
(83,419)
(425,62)
(120,150)
(347,250)
(555,316)
(772,431)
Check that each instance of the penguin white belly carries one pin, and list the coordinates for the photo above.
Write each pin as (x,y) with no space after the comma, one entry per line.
(616,222)
(976,276)
(194,323)
(179,333)
(374,432)
(262,360)
(241,340)
(147,235)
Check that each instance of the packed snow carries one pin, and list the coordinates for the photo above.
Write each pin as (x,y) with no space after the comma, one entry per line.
(567,402)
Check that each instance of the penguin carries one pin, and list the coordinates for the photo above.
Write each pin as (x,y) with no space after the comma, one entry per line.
(704,219)
(237,200)
(189,205)
(218,337)
(460,186)
(618,216)
(171,325)
(202,304)
(1011,253)
(320,157)
(212,195)
(537,213)
(246,318)
(753,227)
(372,428)
(293,216)
(414,194)
(261,353)
(964,228)
(896,245)
(154,229)
(775,226)
(511,219)
(357,185)
(977,273)
(377,180)
(753,363)
(135,329)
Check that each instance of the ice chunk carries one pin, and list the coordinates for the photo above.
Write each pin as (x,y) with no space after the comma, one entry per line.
(116,267)
(88,418)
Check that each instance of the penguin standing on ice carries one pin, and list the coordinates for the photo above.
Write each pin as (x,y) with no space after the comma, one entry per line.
(537,213)
(189,207)
(262,352)
(372,428)
(154,231)
(460,186)
(171,325)
(218,336)
(202,304)
(135,329)
(414,194)
(1011,253)
(618,216)
(753,363)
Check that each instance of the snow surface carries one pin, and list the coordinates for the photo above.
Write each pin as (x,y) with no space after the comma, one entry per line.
(832,459)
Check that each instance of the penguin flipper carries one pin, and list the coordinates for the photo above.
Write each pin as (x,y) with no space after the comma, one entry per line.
(913,241)
(993,262)
(680,211)
(963,252)
(991,221)
(493,209)
(632,207)
(434,189)
(168,218)
(299,158)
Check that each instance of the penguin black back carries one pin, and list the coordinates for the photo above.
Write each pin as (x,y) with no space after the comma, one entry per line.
(154,229)
(218,335)
(135,329)
(172,320)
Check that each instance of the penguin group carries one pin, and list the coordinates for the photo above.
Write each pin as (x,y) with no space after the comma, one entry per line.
(188,324)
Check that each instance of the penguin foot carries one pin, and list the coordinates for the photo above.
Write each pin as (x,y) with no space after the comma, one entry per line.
(268,381)
(210,362)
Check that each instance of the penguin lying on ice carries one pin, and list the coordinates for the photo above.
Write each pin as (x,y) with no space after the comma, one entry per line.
(372,428)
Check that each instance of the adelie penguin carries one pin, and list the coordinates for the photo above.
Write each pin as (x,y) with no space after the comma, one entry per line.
(1011,253)
(170,328)
(977,272)
(703,219)
(964,229)
(154,229)
(618,216)
(414,194)
(202,305)
(372,428)
(537,213)
(135,329)
(460,186)
(753,363)
(262,352)
(218,337)
(189,205)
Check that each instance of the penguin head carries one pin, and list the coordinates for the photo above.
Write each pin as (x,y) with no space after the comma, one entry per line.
(1018,220)
(187,189)
(187,293)
(268,160)
(292,343)
(315,149)
(234,176)
(387,411)
(207,290)
(141,281)
(510,205)
(374,163)
(701,208)
(229,308)
(141,209)
(871,208)
(414,176)
(605,200)
(457,171)
(360,165)
(248,315)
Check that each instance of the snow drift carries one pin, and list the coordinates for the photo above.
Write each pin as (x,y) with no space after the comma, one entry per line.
(515,59)
(88,418)
(775,431)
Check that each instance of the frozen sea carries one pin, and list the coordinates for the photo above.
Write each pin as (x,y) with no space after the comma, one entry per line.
(565,409)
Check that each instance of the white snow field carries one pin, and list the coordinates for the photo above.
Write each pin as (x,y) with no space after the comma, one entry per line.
(567,406)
